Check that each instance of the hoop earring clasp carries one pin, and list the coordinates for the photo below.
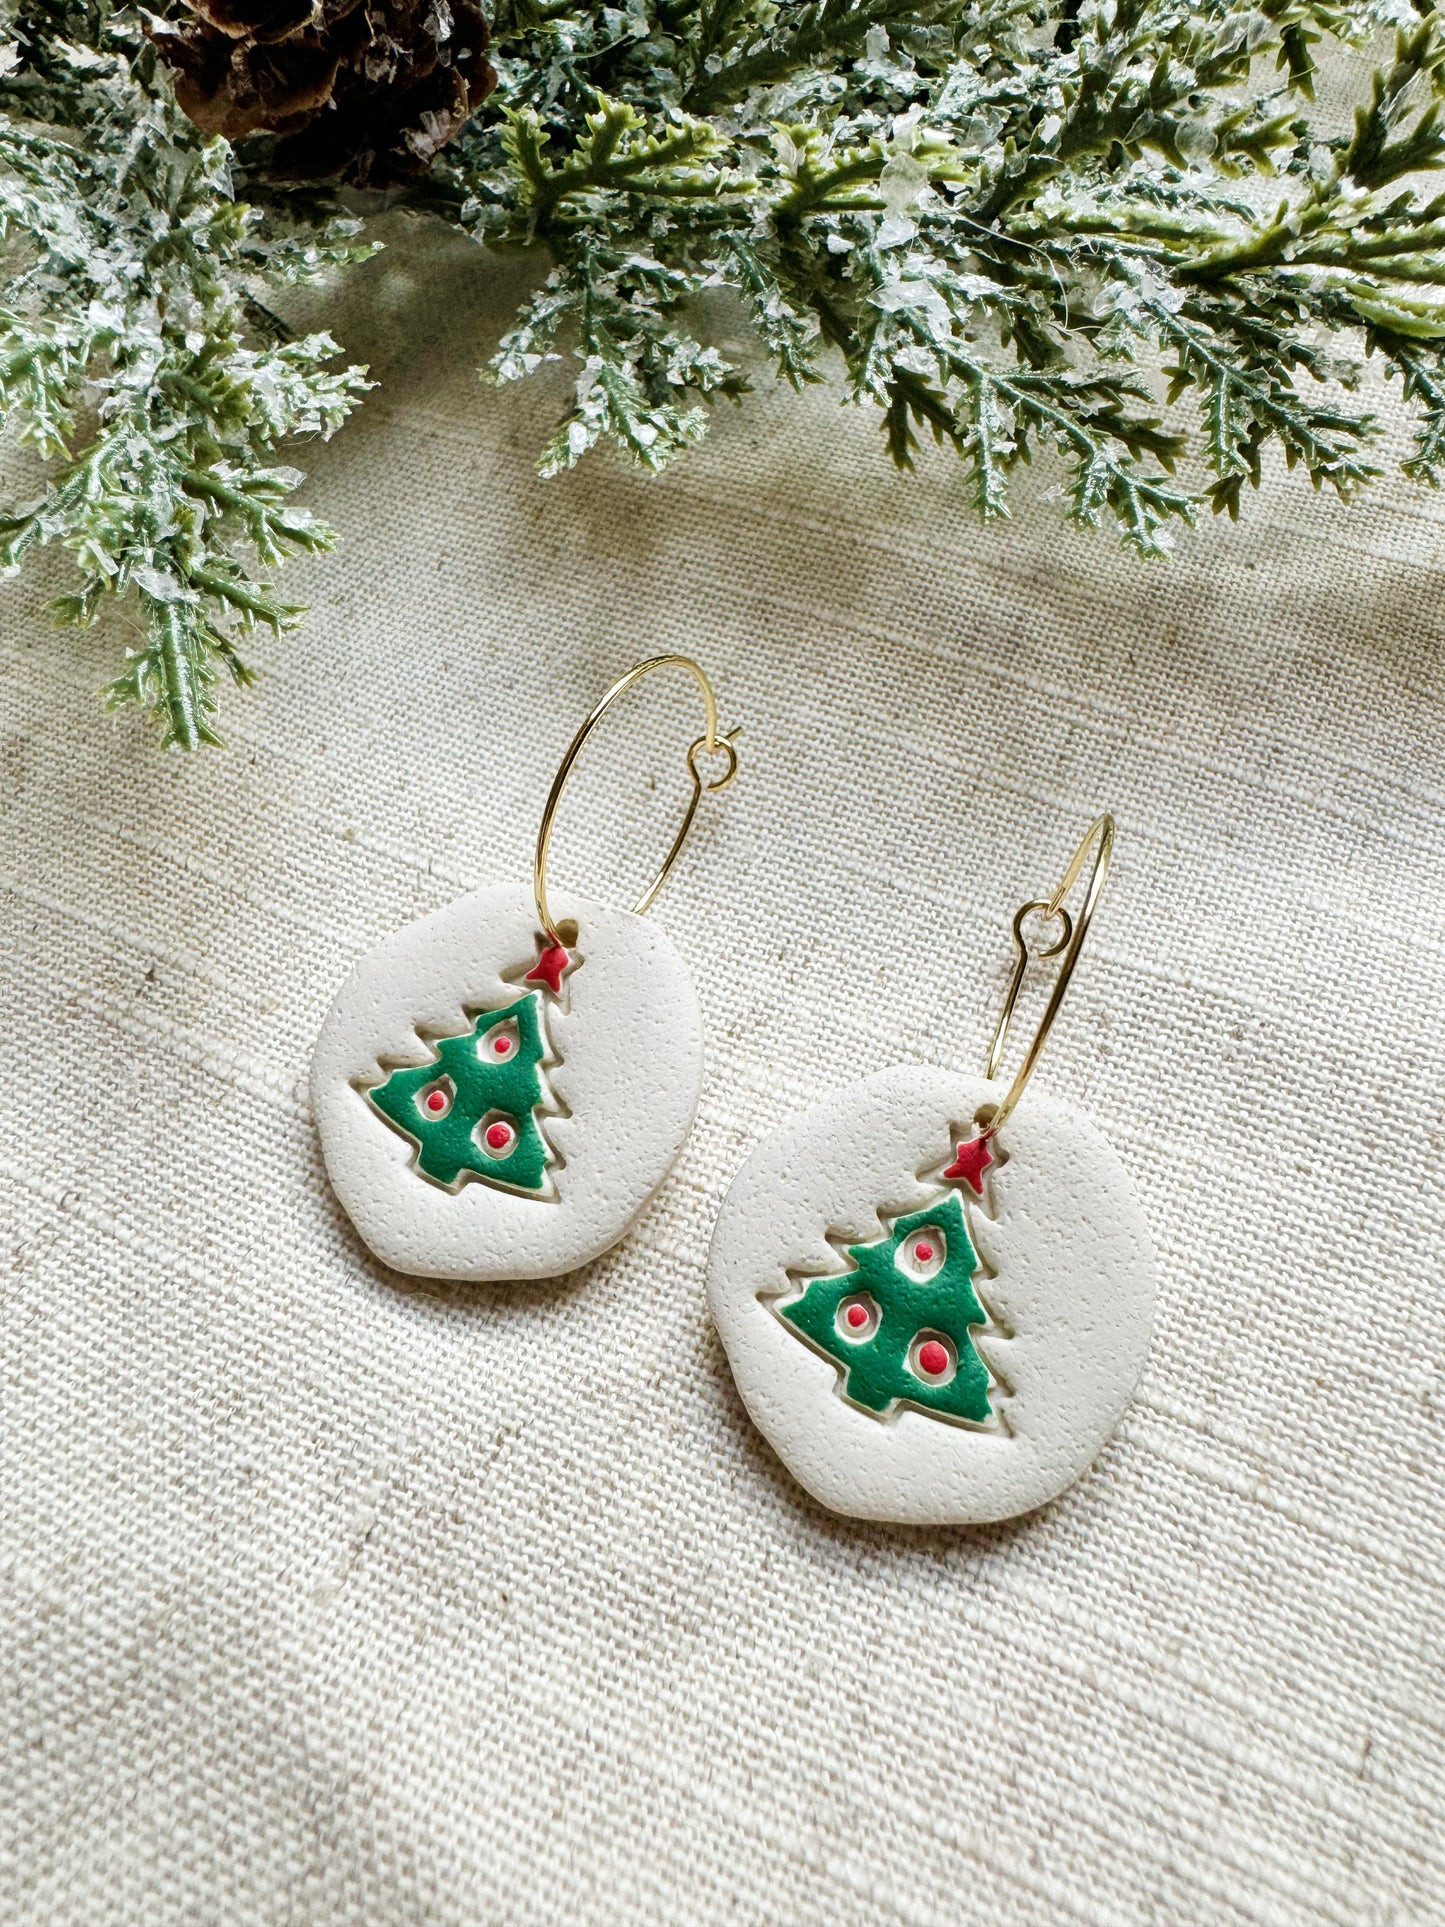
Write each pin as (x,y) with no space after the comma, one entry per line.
(1071,941)
(709,742)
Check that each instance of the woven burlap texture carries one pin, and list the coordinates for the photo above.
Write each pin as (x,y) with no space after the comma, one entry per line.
(327,1596)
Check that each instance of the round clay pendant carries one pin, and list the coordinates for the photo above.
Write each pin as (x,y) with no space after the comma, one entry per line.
(493,1105)
(929,1328)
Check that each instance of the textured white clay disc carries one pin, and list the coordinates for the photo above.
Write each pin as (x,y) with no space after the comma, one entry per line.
(1066,1286)
(620,1074)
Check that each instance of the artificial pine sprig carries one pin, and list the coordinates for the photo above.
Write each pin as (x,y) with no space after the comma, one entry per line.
(1114,229)
(136,354)
(984,211)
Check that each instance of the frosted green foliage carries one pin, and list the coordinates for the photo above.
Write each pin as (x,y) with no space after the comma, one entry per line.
(136,355)
(986,211)
(1116,231)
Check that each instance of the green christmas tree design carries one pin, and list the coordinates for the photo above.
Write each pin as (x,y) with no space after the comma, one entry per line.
(898,1323)
(474,1108)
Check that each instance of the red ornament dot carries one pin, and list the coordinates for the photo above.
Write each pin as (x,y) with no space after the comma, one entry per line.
(502,1046)
(923,1253)
(857,1316)
(933,1358)
(437,1102)
(499,1136)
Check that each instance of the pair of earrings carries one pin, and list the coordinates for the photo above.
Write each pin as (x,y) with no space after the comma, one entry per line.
(935,1304)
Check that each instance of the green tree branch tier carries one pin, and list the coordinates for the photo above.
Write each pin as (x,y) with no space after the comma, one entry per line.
(474,1108)
(898,1324)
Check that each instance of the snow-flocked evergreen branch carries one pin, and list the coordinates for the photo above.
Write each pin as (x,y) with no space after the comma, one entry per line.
(1115,230)
(136,355)
(980,210)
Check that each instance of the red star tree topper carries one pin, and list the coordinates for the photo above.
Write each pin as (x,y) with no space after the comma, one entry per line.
(970,1160)
(551,966)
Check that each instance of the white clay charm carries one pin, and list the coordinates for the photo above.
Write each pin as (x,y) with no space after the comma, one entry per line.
(498,1092)
(937,1301)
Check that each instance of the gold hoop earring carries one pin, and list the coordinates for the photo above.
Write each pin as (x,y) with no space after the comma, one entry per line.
(710,743)
(973,1155)
(941,1338)
(502,1086)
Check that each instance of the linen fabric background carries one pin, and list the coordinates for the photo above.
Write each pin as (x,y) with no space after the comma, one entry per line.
(328,1595)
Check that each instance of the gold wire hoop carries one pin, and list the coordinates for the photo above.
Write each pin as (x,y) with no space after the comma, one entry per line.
(1070,943)
(710,741)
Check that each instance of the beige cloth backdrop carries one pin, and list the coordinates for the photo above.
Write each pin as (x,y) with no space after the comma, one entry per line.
(330,1596)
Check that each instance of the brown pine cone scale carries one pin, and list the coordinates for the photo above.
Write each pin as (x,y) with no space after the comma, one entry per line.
(366,89)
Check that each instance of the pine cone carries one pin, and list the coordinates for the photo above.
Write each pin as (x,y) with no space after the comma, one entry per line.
(367,89)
